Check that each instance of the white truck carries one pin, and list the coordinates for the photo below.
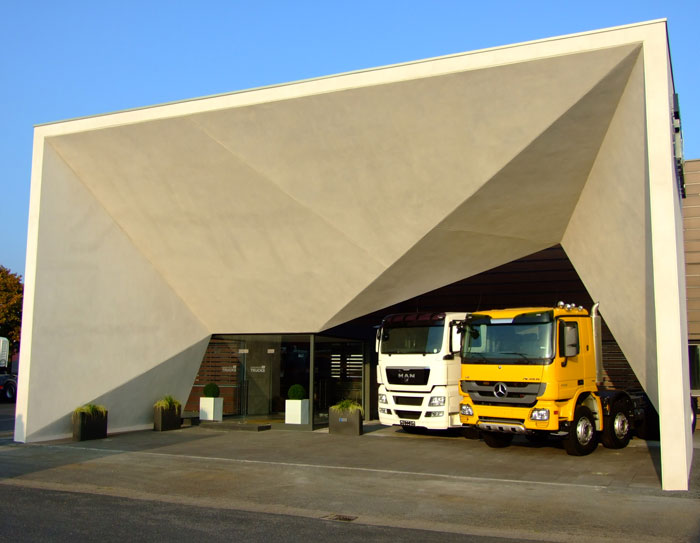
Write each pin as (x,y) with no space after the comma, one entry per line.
(419,370)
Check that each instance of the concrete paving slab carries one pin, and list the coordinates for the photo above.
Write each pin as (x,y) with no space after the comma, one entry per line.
(437,481)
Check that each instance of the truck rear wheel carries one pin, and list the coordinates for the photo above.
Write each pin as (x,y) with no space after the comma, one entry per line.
(617,430)
(497,440)
(582,438)
(9,391)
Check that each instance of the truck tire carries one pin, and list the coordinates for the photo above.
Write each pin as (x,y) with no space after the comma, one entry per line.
(582,438)
(617,430)
(497,440)
(9,392)
(648,427)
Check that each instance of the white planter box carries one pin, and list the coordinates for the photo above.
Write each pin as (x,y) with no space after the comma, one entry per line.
(211,409)
(296,412)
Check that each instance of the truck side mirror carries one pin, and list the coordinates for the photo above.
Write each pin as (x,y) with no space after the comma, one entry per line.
(455,338)
(568,339)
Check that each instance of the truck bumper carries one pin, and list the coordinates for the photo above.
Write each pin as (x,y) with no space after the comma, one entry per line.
(511,419)
(422,421)
(422,415)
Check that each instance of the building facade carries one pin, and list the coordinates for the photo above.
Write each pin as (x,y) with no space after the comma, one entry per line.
(293,210)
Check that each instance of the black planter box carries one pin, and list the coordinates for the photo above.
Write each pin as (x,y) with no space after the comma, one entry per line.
(345,422)
(87,426)
(166,419)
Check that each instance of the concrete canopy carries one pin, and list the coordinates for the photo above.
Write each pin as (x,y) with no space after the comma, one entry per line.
(299,207)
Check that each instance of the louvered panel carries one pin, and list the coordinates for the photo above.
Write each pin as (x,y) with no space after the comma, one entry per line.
(221,365)
(336,365)
(355,364)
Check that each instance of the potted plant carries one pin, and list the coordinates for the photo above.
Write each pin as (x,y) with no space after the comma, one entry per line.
(167,414)
(89,422)
(296,408)
(345,417)
(211,407)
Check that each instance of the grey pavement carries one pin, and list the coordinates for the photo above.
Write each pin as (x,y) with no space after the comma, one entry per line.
(438,482)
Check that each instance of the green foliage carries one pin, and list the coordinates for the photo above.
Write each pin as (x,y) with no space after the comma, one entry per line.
(168,403)
(211,390)
(91,409)
(11,289)
(348,405)
(296,392)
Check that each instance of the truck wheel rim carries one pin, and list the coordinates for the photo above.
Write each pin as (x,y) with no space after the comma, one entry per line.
(621,425)
(584,431)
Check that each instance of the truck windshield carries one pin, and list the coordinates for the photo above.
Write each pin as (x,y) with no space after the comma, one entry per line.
(508,343)
(412,340)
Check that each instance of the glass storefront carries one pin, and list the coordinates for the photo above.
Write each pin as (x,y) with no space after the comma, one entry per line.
(255,372)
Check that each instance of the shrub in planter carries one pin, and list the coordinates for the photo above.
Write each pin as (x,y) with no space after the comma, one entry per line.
(167,414)
(211,390)
(345,417)
(89,422)
(296,392)
(296,408)
(211,407)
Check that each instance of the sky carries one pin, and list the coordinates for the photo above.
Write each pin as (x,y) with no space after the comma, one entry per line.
(62,60)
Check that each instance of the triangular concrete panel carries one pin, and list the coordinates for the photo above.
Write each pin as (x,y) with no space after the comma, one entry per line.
(99,304)
(524,208)
(617,270)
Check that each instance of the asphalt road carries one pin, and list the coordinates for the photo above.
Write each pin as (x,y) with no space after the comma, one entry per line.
(44,515)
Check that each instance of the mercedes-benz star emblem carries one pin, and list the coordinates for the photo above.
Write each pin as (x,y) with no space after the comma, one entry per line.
(500,390)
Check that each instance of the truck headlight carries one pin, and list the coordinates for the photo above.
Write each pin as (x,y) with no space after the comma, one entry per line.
(385,411)
(539,414)
(437,400)
(466,409)
(435,414)
(382,398)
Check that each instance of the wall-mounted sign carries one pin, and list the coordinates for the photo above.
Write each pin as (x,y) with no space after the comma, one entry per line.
(270,351)
(229,369)
(243,351)
(257,369)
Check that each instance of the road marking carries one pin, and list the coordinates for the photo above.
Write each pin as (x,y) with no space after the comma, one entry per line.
(451,477)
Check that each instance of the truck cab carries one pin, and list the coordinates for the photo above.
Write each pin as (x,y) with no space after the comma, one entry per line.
(419,370)
(534,371)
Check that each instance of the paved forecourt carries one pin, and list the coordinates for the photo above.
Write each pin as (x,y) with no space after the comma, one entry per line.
(440,481)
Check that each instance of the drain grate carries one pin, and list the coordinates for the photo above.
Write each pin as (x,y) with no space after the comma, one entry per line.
(342,518)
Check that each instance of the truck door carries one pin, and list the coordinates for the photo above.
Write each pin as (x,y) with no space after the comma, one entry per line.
(569,363)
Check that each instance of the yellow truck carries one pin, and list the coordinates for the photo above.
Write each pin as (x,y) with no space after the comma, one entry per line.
(535,371)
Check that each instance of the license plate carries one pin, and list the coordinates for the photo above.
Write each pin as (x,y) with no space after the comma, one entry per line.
(407,422)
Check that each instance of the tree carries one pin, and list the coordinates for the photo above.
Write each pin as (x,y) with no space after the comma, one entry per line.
(11,289)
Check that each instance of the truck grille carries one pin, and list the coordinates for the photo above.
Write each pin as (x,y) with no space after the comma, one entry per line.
(408,400)
(494,393)
(410,415)
(409,376)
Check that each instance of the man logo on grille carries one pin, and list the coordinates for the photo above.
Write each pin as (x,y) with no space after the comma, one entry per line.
(500,390)
(406,376)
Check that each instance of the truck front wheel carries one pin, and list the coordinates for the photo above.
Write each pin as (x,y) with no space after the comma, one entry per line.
(618,430)
(582,438)
(497,440)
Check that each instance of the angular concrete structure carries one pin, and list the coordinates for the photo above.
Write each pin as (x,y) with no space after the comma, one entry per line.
(299,207)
